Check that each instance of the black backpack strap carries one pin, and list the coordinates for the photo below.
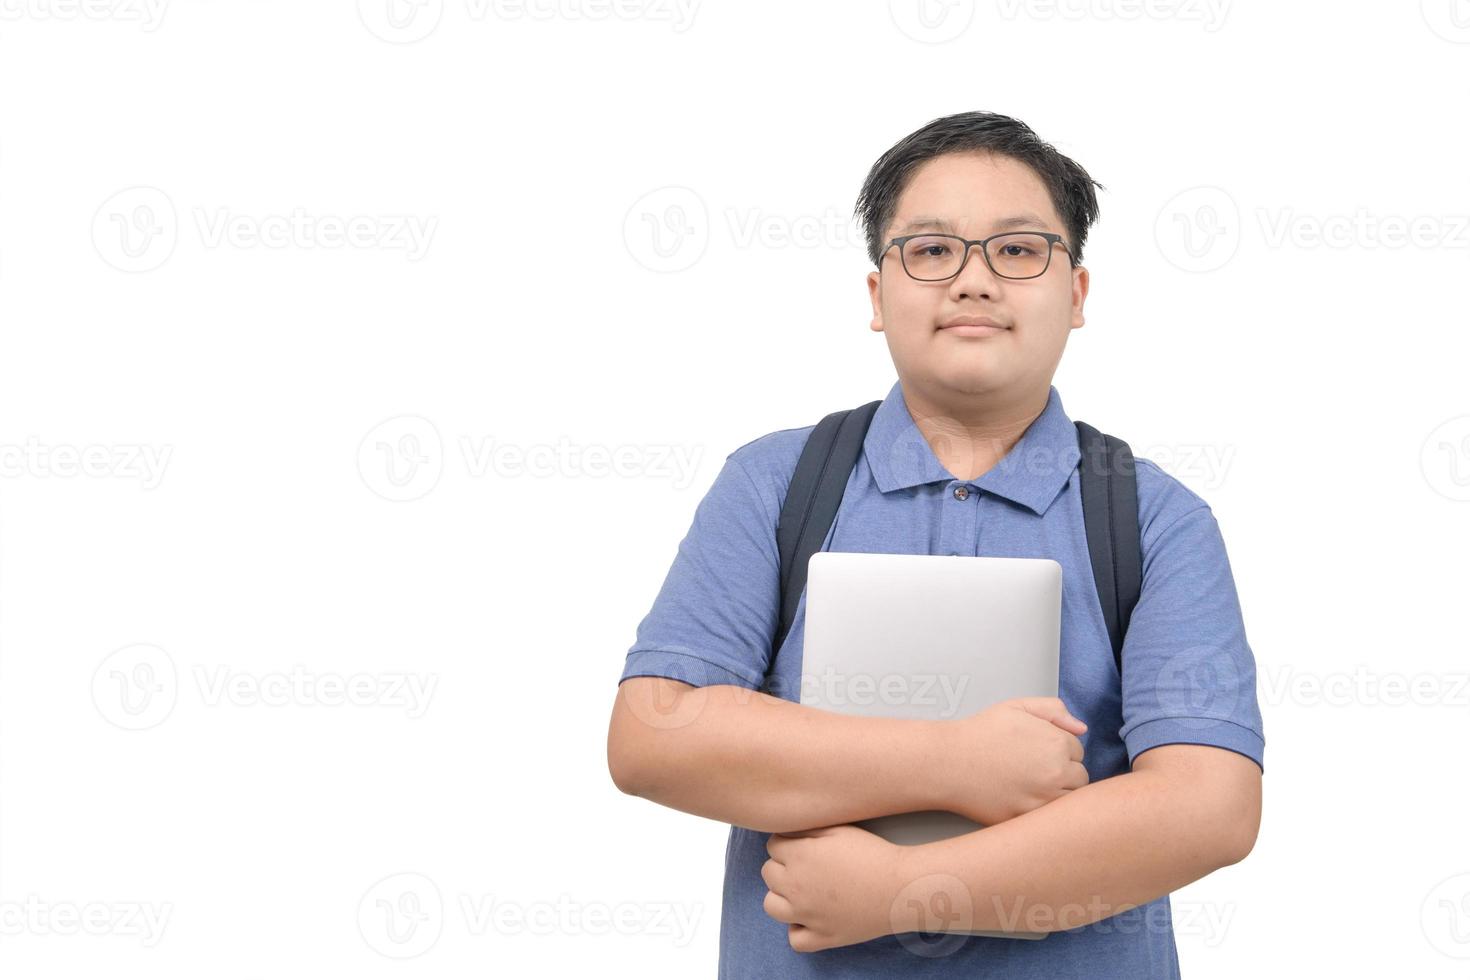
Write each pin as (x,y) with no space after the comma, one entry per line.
(1109,509)
(1110,514)
(812,499)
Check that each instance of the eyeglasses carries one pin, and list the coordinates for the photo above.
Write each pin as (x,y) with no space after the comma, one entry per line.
(1013,255)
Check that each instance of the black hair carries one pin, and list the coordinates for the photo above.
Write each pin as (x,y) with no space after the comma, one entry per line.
(1070,187)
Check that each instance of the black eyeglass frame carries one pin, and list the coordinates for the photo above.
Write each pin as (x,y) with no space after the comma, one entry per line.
(1051,237)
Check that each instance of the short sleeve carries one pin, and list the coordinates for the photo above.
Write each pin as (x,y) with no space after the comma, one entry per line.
(715,616)
(1188,673)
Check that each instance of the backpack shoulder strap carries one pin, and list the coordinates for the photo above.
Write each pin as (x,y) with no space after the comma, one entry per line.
(1110,514)
(812,499)
(1109,507)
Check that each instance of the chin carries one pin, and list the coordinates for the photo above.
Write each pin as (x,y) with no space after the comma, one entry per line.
(975,381)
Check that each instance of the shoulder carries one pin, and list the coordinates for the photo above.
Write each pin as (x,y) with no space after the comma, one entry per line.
(769,461)
(1165,502)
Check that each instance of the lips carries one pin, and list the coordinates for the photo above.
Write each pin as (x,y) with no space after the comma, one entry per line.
(972,321)
(966,330)
(972,326)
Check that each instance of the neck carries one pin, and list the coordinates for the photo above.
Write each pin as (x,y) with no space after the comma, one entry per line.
(970,434)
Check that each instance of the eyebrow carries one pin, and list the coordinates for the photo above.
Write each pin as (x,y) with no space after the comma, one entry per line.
(941,224)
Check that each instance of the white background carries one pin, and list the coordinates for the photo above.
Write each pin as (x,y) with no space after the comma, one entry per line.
(245,460)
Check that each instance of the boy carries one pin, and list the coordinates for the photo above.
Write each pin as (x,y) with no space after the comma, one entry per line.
(1097,803)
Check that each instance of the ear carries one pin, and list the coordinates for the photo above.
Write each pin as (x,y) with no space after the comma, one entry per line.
(1079,295)
(875,294)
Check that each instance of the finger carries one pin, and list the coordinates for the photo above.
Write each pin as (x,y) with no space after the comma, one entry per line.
(1054,711)
(1074,748)
(779,908)
(1076,776)
(803,939)
(774,874)
(813,832)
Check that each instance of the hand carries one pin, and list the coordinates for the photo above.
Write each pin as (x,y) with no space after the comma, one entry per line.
(1011,758)
(833,886)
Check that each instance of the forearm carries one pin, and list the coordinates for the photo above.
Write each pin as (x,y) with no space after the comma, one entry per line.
(768,764)
(1097,851)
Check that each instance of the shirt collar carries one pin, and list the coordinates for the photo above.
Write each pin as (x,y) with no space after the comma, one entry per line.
(1031,474)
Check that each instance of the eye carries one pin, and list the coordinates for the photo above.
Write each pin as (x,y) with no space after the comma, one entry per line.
(929,248)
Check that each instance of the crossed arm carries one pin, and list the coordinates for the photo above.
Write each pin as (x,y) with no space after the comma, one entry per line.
(767,764)
(1182,812)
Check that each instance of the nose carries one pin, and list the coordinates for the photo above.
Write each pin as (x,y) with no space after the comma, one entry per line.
(975,279)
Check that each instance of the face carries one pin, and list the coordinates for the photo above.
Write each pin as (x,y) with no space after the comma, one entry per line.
(972,195)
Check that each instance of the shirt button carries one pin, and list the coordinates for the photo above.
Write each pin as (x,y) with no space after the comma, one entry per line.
(960,493)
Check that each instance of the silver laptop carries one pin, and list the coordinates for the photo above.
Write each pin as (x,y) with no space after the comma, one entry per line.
(929,636)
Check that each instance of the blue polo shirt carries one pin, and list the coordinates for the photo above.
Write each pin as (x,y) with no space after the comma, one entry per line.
(1188,673)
